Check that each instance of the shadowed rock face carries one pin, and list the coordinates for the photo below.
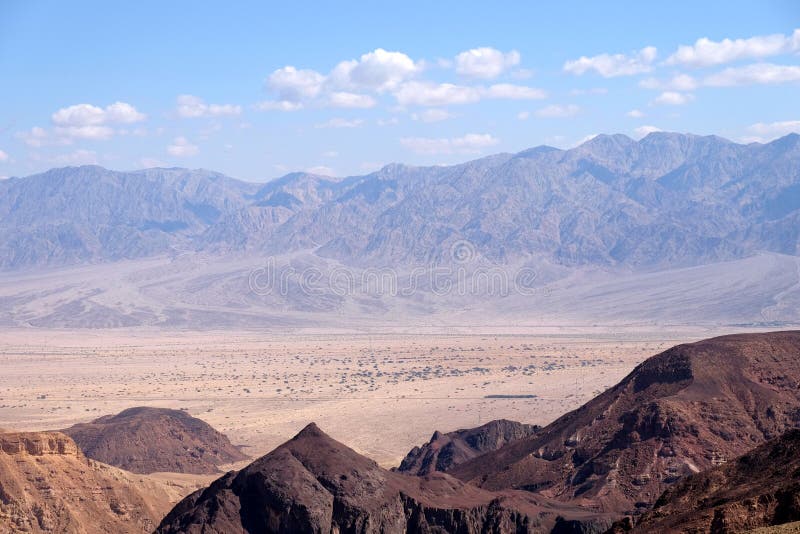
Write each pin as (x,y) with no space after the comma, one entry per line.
(445,451)
(146,440)
(314,484)
(48,486)
(761,488)
(685,410)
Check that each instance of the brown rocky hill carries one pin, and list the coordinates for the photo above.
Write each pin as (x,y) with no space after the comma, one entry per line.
(47,485)
(680,412)
(146,440)
(315,484)
(445,451)
(759,489)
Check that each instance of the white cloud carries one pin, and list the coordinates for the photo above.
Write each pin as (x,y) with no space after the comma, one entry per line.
(379,70)
(609,66)
(706,52)
(672,98)
(181,147)
(351,100)
(635,114)
(84,121)
(295,85)
(35,137)
(523,115)
(642,131)
(278,105)
(470,143)
(81,115)
(391,121)
(338,122)
(432,115)
(757,73)
(3,156)
(78,157)
(679,82)
(190,106)
(514,92)
(418,93)
(763,132)
(431,94)
(86,132)
(485,62)
(321,169)
(557,111)
(592,91)
(330,154)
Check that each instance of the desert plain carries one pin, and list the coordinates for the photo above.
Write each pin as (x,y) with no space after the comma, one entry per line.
(381,392)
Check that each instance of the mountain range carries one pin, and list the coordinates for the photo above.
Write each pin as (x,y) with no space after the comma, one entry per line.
(671,216)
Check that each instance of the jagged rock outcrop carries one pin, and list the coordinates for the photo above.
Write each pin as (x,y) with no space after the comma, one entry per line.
(685,410)
(48,486)
(313,483)
(758,489)
(146,440)
(444,451)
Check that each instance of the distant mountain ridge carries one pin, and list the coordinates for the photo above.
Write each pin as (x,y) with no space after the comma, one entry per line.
(666,200)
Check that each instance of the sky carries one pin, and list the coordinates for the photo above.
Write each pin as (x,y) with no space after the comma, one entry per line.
(257,90)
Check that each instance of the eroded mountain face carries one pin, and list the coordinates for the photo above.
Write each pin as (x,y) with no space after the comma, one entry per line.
(48,486)
(445,451)
(758,489)
(685,410)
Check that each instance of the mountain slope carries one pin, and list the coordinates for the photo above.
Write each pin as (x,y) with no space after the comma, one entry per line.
(445,451)
(680,412)
(758,489)
(314,484)
(47,485)
(147,440)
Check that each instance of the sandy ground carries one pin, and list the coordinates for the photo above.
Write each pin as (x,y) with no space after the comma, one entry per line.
(380,393)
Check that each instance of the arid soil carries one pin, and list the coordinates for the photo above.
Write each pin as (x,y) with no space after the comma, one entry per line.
(381,393)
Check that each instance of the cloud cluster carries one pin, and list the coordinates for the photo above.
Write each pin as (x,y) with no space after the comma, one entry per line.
(672,98)
(763,132)
(190,107)
(356,83)
(85,121)
(3,156)
(705,52)
(182,147)
(485,62)
(612,65)
(467,144)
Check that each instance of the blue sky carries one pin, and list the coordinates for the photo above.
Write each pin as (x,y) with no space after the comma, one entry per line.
(256,90)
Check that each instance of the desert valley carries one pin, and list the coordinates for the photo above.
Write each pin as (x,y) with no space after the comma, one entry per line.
(399,268)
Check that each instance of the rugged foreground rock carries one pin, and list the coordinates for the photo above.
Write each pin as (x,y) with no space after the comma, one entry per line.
(147,440)
(315,484)
(445,451)
(680,412)
(759,489)
(48,486)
